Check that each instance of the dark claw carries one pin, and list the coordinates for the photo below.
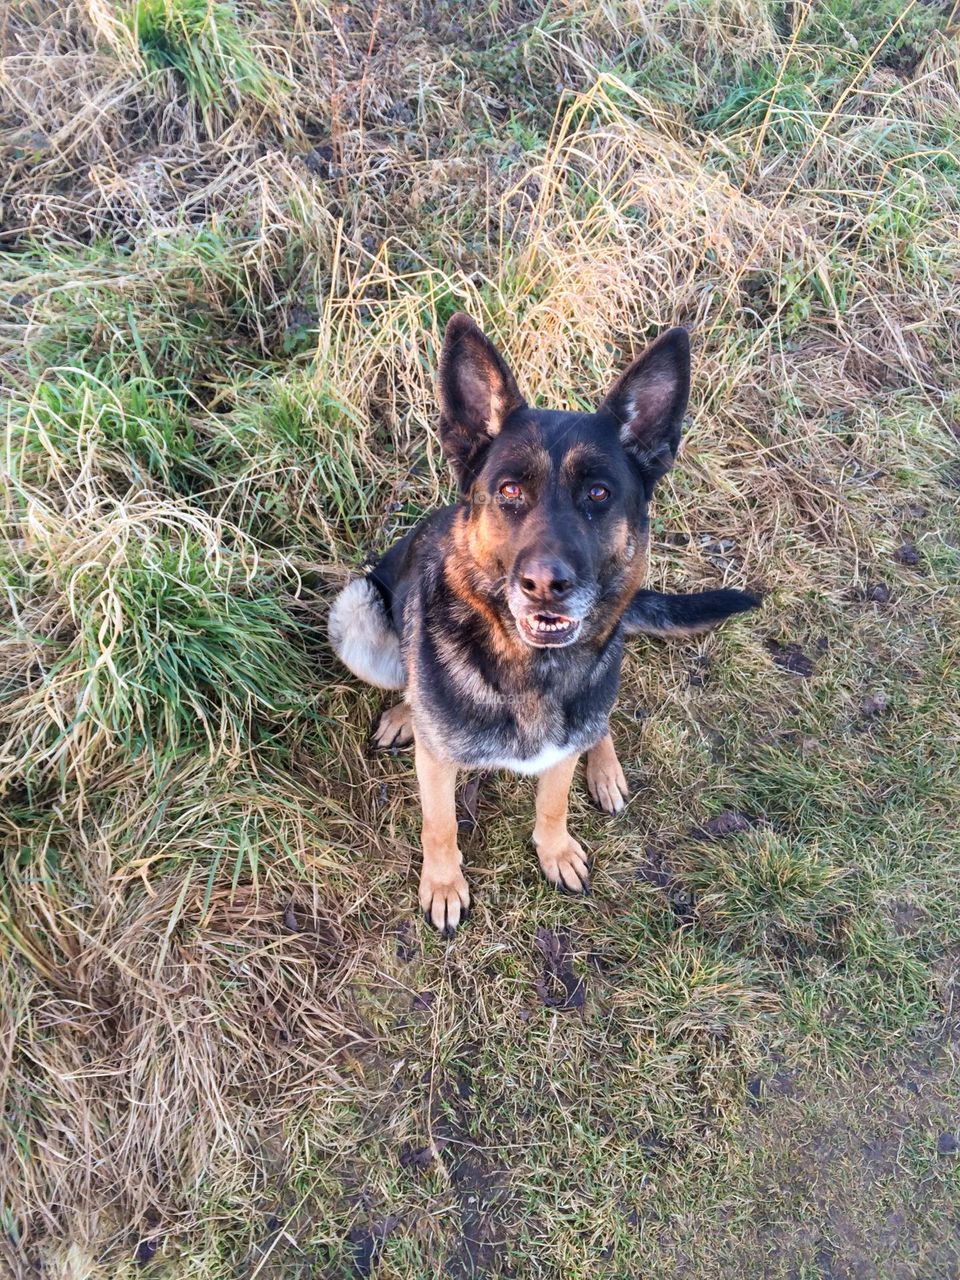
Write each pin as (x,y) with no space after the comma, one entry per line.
(585,890)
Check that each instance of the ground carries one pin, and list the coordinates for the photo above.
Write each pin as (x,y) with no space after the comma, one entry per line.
(231,235)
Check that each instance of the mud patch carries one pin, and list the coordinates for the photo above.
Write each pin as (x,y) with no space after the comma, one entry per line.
(406,942)
(907,554)
(654,869)
(481,1187)
(480,1191)
(469,800)
(724,825)
(789,657)
(367,1241)
(831,1157)
(558,986)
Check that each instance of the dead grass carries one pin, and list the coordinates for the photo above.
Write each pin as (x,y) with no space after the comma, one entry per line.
(231,238)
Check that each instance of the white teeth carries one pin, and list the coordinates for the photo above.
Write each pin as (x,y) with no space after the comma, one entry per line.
(537,624)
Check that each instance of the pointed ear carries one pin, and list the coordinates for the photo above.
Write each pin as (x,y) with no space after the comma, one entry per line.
(649,400)
(477,395)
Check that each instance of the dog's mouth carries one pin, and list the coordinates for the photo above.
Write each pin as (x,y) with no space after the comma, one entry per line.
(548,630)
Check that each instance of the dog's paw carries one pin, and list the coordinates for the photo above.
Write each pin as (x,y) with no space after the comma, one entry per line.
(395,728)
(605,780)
(566,866)
(444,900)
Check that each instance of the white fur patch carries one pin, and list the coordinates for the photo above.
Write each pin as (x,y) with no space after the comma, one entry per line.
(545,759)
(362,637)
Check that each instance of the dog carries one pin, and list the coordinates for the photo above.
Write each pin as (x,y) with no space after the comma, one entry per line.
(503,617)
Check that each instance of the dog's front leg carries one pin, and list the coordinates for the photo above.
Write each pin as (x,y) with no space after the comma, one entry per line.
(444,895)
(564,863)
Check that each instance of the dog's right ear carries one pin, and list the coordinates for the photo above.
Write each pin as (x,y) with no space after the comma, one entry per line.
(477,395)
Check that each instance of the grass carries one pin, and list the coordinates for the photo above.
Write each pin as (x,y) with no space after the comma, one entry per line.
(205,45)
(230,237)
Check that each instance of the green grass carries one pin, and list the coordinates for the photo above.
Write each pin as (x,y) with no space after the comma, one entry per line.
(231,238)
(136,429)
(204,43)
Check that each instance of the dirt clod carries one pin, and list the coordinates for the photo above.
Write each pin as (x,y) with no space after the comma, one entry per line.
(406,942)
(467,819)
(874,704)
(145,1251)
(729,823)
(656,870)
(653,869)
(421,1157)
(907,554)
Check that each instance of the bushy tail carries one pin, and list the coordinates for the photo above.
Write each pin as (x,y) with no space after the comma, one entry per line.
(363,638)
(653,614)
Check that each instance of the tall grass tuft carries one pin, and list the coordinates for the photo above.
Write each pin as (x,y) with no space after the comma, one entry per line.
(201,40)
(129,428)
(141,627)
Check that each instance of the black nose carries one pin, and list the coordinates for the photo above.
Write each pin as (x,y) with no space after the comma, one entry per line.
(546,581)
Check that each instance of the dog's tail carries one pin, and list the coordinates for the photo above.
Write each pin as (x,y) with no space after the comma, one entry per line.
(363,637)
(652,614)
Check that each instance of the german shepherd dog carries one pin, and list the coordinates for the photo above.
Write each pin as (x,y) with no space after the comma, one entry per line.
(503,617)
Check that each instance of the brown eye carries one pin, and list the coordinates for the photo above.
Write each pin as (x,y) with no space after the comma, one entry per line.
(511,491)
(598,493)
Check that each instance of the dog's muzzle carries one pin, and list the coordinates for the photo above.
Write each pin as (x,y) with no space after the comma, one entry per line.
(551,626)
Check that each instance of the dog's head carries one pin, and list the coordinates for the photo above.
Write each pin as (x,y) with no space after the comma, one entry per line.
(557,502)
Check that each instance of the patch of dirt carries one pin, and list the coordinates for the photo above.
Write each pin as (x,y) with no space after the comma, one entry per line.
(558,987)
(790,657)
(367,1242)
(479,1188)
(907,554)
(907,918)
(656,870)
(469,800)
(729,823)
(832,1158)
(874,704)
(406,942)
(480,1185)
(421,1157)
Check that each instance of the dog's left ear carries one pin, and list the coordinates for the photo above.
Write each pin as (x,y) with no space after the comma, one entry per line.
(649,400)
(477,395)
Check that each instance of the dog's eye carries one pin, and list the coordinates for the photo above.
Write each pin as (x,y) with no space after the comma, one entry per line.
(598,493)
(511,491)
